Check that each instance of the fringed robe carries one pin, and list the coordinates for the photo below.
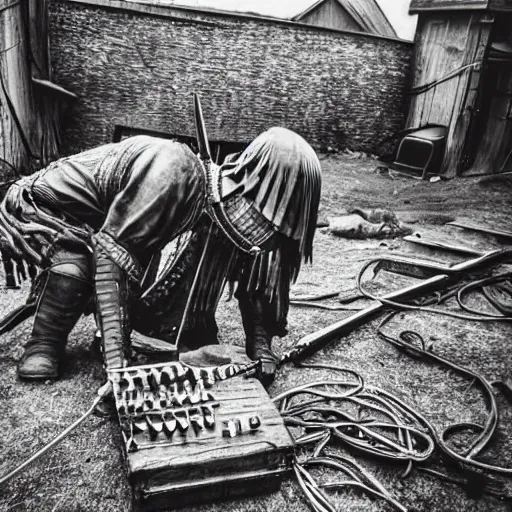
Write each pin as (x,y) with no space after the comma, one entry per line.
(143,193)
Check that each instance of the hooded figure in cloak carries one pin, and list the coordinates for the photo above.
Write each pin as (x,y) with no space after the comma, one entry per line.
(94,222)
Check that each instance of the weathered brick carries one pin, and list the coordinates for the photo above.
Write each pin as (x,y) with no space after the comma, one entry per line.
(336,89)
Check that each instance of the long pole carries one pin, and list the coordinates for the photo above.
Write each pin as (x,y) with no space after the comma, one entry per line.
(315,341)
(102,393)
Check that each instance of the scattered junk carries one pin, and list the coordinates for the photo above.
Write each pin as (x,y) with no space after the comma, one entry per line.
(361,224)
(421,152)
(434,277)
(194,434)
(390,429)
(175,416)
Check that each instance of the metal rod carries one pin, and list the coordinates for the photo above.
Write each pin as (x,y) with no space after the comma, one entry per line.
(193,289)
(102,392)
(313,342)
(435,244)
(482,229)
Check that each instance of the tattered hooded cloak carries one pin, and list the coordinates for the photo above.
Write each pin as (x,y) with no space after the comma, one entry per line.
(143,192)
(279,173)
(269,198)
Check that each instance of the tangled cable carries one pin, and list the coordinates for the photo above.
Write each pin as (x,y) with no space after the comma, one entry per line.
(413,344)
(475,316)
(359,416)
(356,477)
(383,425)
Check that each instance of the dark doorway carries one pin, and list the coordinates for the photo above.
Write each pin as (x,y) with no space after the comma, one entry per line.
(492,133)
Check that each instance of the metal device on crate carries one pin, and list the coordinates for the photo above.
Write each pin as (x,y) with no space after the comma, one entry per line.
(194,435)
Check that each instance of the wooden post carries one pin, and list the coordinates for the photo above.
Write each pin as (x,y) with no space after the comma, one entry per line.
(29,108)
(15,91)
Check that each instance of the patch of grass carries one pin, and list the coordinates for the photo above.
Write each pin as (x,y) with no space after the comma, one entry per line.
(86,472)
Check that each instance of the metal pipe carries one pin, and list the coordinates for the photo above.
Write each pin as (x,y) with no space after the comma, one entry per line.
(313,342)
(482,229)
(102,392)
(436,244)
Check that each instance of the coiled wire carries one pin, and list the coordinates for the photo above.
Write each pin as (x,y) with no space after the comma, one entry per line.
(385,426)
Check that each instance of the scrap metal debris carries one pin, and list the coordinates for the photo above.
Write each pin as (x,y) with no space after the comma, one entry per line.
(347,412)
(481,228)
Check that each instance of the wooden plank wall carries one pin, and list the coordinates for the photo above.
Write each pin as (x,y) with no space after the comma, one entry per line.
(445,43)
(493,130)
(496,142)
(424,5)
(468,90)
(30,142)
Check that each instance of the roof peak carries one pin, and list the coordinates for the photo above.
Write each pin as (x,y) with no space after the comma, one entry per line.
(368,14)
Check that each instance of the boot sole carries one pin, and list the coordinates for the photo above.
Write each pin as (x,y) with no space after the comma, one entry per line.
(35,376)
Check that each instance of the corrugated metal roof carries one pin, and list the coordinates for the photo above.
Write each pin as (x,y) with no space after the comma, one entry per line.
(367,13)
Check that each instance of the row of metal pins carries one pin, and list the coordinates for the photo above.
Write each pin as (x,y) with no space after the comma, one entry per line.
(152,379)
(137,401)
(168,422)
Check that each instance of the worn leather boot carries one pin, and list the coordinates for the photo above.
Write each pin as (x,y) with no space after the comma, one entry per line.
(258,340)
(258,348)
(60,305)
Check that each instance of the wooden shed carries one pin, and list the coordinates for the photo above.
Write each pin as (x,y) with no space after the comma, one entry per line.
(463,81)
(357,15)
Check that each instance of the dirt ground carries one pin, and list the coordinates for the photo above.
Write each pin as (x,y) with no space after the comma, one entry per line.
(86,471)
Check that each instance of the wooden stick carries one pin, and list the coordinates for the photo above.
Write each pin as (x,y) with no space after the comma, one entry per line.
(102,392)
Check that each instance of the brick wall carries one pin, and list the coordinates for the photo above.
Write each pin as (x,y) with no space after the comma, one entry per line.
(137,67)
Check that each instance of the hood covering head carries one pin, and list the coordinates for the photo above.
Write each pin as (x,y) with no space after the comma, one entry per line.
(280,174)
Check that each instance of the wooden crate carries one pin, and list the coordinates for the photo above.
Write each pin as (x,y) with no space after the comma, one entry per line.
(201,466)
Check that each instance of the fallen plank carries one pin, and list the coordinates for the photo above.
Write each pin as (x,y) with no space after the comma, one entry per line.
(436,244)
(482,229)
